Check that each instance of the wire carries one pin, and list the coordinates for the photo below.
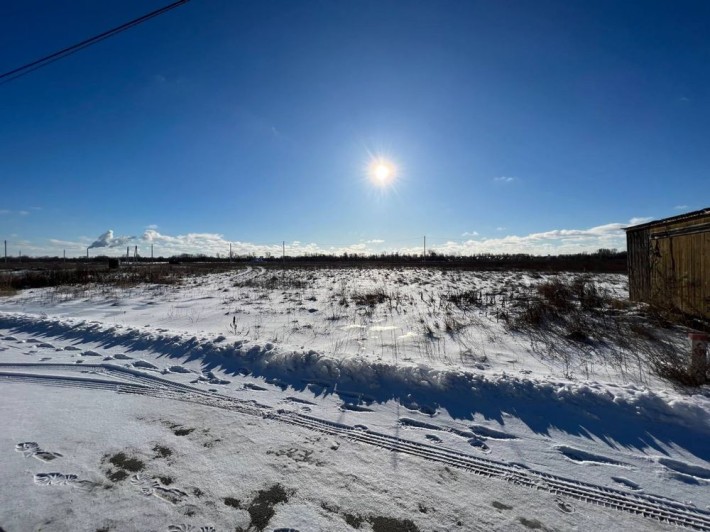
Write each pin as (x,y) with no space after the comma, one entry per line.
(44,61)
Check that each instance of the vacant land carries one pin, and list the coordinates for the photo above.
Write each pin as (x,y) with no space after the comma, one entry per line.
(258,398)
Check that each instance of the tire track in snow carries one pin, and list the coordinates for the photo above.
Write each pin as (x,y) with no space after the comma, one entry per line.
(649,506)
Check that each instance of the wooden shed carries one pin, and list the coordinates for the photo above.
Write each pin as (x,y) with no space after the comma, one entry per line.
(669,262)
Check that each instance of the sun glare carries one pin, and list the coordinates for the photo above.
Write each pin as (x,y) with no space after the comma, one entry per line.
(382,172)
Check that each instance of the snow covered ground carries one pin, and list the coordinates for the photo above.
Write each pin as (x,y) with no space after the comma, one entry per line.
(374,399)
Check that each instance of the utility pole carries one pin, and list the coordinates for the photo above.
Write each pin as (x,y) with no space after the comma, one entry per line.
(64,253)
(128,253)
(87,253)
(151,252)
(135,254)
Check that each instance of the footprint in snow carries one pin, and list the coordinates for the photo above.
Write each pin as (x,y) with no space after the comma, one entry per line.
(685,468)
(581,457)
(32,449)
(121,356)
(479,444)
(153,487)
(355,408)
(493,434)
(142,364)
(299,400)
(626,482)
(53,479)
(564,506)
(177,369)
(61,479)
(210,378)
(90,353)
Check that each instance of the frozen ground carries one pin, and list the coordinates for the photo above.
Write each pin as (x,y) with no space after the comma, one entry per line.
(332,400)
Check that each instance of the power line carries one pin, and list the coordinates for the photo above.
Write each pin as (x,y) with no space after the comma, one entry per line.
(51,58)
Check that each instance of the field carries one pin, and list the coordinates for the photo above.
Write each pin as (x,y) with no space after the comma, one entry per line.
(336,397)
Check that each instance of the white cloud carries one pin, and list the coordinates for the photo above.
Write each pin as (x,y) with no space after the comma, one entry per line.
(469,233)
(504,179)
(639,220)
(107,240)
(556,241)
(7,212)
(681,207)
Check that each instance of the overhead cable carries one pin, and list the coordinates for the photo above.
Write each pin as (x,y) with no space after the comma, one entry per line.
(51,58)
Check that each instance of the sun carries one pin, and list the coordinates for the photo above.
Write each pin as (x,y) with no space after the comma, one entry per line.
(382,172)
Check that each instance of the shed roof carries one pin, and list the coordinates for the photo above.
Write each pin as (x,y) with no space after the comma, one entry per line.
(680,218)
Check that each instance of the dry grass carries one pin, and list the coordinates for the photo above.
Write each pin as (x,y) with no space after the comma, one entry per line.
(573,321)
(7,291)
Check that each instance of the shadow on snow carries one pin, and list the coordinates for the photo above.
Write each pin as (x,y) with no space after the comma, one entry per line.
(642,422)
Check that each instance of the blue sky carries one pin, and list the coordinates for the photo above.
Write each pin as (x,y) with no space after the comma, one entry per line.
(514,126)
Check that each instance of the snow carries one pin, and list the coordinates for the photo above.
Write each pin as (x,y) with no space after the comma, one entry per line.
(82,373)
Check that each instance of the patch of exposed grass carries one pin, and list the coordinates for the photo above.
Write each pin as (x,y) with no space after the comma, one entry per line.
(500,506)
(465,298)
(372,298)
(533,524)
(162,452)
(116,476)
(391,524)
(231,501)
(122,461)
(353,520)
(261,509)
(8,291)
